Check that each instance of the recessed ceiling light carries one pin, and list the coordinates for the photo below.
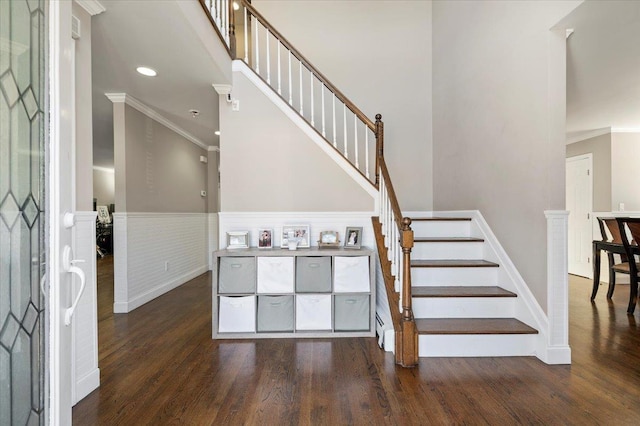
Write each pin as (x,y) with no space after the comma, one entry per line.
(217,133)
(147,71)
(236,6)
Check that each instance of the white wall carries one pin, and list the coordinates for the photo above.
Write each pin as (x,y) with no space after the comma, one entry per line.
(378,53)
(498,122)
(104,186)
(625,174)
(268,164)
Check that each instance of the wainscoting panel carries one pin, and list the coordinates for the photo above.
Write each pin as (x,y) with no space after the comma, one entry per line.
(317,221)
(155,253)
(85,318)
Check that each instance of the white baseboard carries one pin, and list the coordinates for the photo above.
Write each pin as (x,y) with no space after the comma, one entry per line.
(87,384)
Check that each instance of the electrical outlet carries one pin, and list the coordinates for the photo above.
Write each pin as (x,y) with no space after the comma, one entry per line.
(235,105)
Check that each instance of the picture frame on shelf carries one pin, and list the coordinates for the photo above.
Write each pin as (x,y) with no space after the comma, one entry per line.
(298,233)
(329,239)
(103,214)
(265,238)
(237,240)
(353,237)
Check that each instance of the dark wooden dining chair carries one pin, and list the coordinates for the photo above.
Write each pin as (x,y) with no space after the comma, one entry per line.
(631,248)
(611,224)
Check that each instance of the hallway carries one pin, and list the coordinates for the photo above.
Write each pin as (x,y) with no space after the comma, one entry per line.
(160,366)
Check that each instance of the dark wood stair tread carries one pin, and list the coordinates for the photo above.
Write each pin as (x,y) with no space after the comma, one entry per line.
(447,240)
(452,263)
(473,326)
(444,219)
(461,291)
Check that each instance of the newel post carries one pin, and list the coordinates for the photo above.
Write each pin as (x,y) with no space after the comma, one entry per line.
(407,346)
(379,145)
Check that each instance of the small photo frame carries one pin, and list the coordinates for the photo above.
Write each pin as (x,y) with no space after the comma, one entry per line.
(329,239)
(265,238)
(299,233)
(237,239)
(353,237)
(103,214)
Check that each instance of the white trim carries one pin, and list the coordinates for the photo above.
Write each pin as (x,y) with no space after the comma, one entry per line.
(104,169)
(93,7)
(214,148)
(625,130)
(557,349)
(212,228)
(87,383)
(154,115)
(344,164)
(222,89)
(581,136)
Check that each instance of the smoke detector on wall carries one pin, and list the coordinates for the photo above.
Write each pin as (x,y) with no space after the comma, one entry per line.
(194,113)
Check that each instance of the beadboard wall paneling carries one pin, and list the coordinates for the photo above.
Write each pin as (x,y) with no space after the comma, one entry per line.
(161,251)
(317,221)
(85,318)
(213,237)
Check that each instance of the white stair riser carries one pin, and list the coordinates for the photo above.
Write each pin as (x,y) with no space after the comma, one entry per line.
(464,307)
(429,228)
(476,345)
(457,250)
(454,276)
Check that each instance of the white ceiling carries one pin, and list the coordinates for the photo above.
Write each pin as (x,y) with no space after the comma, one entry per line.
(603,67)
(156,34)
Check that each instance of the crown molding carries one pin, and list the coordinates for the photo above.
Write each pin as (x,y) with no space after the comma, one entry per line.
(93,7)
(222,89)
(117,98)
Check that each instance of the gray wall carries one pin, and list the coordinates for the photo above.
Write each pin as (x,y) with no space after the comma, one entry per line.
(378,53)
(104,187)
(162,170)
(625,173)
(84,121)
(600,147)
(271,165)
(498,122)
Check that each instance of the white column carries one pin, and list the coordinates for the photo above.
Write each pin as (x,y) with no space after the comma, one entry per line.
(558,350)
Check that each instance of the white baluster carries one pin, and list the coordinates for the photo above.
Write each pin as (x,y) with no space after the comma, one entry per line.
(246,37)
(355,137)
(290,84)
(301,107)
(279,79)
(344,121)
(333,101)
(225,6)
(366,151)
(313,124)
(268,59)
(257,47)
(217,14)
(323,128)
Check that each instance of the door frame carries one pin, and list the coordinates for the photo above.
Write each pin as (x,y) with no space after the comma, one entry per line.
(589,157)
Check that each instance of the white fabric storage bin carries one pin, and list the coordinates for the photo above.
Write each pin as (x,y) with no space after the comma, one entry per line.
(275,274)
(351,312)
(237,275)
(351,274)
(237,314)
(275,313)
(313,312)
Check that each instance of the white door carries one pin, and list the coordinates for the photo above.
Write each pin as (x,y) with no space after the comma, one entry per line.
(579,203)
(60,190)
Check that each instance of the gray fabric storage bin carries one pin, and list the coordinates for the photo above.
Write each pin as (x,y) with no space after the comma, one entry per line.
(275,313)
(237,275)
(351,312)
(313,274)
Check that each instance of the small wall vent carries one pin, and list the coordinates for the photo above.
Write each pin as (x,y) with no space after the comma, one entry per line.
(75,27)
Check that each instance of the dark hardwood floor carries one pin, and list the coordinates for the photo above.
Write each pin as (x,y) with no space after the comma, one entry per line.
(160,366)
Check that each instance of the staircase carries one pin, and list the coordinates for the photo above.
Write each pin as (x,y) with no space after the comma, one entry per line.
(458,306)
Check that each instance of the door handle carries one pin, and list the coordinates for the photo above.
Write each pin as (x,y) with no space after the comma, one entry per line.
(67,264)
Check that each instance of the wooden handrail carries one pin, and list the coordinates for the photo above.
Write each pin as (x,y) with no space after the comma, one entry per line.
(395,206)
(352,107)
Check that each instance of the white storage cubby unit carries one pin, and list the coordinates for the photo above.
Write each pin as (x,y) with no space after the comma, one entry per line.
(293,293)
